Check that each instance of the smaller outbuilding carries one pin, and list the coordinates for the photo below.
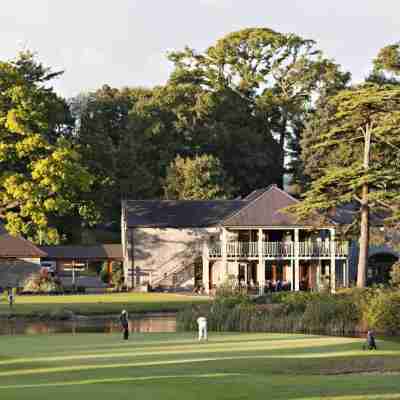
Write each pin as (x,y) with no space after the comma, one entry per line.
(79,266)
(19,258)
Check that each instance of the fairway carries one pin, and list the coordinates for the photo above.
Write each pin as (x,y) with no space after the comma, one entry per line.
(95,304)
(176,366)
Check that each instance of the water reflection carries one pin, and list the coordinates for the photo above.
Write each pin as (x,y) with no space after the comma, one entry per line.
(142,323)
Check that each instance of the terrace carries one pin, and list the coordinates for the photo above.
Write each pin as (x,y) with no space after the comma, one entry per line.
(279,250)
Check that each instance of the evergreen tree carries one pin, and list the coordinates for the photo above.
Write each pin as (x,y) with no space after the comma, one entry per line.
(351,151)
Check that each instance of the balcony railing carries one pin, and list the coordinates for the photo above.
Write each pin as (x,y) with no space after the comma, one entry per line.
(278,249)
(242,249)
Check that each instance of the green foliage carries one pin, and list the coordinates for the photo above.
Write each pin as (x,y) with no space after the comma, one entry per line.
(275,77)
(338,314)
(117,275)
(287,312)
(384,312)
(104,274)
(395,275)
(334,148)
(347,312)
(388,63)
(41,176)
(199,178)
(351,153)
(111,148)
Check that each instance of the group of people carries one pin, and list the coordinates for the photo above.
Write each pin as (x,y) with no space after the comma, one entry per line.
(277,286)
(124,321)
(203,335)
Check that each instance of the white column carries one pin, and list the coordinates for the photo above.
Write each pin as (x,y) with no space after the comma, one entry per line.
(296,261)
(224,253)
(261,264)
(345,274)
(333,260)
(318,283)
(206,269)
(292,271)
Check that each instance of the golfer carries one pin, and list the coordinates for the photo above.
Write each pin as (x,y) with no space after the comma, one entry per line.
(370,341)
(202,323)
(124,324)
(10,298)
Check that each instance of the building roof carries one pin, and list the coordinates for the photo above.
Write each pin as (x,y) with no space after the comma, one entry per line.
(264,210)
(17,247)
(95,252)
(254,194)
(179,213)
(262,207)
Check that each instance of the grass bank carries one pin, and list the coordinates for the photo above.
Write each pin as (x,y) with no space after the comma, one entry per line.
(54,306)
(176,366)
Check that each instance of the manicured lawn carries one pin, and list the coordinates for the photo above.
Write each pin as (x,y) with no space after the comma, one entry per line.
(100,304)
(176,366)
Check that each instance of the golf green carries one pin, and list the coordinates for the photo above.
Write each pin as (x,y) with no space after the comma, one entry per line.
(176,366)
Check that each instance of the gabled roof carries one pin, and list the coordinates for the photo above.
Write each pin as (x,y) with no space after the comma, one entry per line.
(95,252)
(179,213)
(17,247)
(254,194)
(262,207)
(265,210)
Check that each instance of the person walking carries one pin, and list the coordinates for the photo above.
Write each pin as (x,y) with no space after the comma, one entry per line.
(124,324)
(202,323)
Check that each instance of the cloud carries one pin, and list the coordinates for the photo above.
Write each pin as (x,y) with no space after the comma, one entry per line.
(92,56)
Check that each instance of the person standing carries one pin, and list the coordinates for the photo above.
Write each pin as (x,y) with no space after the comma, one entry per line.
(371,340)
(124,324)
(202,323)
(10,297)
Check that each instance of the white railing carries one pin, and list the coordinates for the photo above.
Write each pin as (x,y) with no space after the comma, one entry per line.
(278,249)
(215,250)
(242,249)
(313,249)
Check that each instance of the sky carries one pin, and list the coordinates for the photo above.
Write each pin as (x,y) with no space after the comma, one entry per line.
(125,42)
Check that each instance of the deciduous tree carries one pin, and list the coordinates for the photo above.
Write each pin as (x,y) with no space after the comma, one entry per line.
(279,76)
(198,178)
(41,175)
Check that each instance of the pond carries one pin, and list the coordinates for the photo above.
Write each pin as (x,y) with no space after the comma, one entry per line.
(165,322)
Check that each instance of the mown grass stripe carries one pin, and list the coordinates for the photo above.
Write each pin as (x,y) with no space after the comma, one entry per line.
(86,367)
(192,349)
(117,380)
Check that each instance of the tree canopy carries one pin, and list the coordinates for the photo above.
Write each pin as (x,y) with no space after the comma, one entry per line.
(41,176)
(278,76)
(351,151)
(198,178)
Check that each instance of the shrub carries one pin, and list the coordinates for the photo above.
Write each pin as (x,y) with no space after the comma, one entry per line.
(344,313)
(331,314)
(42,282)
(117,275)
(104,274)
(395,275)
(384,312)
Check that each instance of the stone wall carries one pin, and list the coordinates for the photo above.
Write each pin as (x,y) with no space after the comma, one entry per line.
(161,254)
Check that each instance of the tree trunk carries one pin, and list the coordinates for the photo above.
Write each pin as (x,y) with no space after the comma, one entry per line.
(364,240)
(282,137)
(364,223)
